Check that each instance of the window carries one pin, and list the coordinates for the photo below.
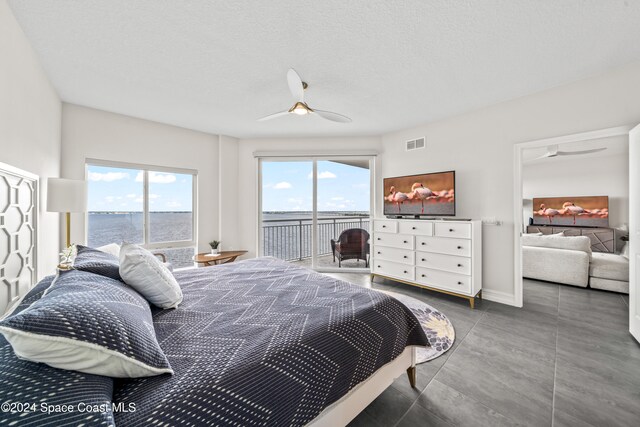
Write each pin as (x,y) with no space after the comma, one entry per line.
(150,206)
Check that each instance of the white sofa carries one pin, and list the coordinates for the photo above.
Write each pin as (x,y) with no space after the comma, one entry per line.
(569,260)
(556,258)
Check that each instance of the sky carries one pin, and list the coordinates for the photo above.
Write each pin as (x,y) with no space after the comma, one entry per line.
(119,189)
(288,186)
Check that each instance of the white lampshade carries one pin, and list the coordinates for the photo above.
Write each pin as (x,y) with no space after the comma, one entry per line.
(66,195)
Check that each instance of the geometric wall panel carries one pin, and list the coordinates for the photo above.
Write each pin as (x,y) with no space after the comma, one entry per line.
(18,233)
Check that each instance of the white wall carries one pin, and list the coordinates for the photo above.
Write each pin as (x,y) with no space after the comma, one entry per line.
(228,194)
(582,176)
(29,125)
(479,146)
(248,208)
(95,134)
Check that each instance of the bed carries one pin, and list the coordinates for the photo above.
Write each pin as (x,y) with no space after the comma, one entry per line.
(264,342)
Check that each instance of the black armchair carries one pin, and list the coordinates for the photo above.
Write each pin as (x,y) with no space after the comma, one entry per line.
(352,244)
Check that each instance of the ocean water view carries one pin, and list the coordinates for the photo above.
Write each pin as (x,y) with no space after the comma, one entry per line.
(118,227)
(286,235)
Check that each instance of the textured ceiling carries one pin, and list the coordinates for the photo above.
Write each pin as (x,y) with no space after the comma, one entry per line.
(217,66)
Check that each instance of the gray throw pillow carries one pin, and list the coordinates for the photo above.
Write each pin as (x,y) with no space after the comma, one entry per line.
(88,323)
(96,261)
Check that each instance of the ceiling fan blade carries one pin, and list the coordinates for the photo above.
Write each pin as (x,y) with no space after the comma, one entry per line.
(334,117)
(295,85)
(273,116)
(576,153)
(544,156)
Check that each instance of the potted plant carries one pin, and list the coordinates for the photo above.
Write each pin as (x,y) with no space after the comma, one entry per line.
(215,245)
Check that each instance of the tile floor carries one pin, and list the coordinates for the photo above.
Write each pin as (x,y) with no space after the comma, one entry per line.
(565,359)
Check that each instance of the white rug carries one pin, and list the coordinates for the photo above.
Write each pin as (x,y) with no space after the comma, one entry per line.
(435,324)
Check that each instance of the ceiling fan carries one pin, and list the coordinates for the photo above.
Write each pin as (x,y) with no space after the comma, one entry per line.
(552,151)
(297,87)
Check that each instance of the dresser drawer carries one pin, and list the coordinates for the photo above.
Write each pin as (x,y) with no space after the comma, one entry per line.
(443,245)
(416,227)
(401,241)
(384,226)
(453,229)
(402,256)
(392,269)
(454,264)
(444,280)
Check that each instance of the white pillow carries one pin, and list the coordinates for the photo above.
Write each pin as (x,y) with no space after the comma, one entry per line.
(144,272)
(111,248)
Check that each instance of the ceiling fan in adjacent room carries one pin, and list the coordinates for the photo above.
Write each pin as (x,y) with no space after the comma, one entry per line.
(552,151)
(297,87)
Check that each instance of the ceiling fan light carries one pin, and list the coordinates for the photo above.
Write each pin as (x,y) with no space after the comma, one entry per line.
(300,108)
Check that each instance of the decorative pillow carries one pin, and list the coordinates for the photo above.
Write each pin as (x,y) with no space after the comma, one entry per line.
(38,384)
(30,297)
(111,248)
(144,272)
(98,262)
(88,323)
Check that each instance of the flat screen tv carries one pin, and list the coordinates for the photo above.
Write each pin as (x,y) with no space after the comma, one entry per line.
(590,211)
(430,194)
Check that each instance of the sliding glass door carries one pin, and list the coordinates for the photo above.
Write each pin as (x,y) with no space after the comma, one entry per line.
(316,212)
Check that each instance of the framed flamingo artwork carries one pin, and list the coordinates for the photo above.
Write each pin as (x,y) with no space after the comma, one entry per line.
(431,194)
(590,211)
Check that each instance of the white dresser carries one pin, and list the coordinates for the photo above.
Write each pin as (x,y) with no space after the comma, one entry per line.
(444,256)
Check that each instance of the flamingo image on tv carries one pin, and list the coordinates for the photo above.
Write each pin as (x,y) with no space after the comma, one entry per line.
(589,211)
(431,194)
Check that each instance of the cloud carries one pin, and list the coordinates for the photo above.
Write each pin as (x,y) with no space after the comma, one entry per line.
(337,198)
(158,178)
(173,204)
(107,176)
(131,196)
(154,196)
(284,185)
(323,175)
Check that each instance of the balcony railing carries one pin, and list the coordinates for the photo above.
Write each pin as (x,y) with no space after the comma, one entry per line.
(290,239)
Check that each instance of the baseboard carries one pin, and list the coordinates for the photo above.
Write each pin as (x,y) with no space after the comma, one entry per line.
(499,296)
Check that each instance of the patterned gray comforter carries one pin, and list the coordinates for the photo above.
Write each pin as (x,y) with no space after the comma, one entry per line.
(263,342)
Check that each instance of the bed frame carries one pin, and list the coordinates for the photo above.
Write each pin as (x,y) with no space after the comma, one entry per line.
(341,413)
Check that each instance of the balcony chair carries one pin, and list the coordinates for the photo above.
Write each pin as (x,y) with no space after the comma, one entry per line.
(352,244)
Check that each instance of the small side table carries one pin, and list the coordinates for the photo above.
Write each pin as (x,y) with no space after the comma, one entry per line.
(222,258)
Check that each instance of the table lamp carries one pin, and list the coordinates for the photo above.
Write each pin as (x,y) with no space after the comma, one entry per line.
(66,195)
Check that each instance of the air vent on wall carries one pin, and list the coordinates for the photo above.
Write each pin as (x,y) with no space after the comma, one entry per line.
(416,144)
